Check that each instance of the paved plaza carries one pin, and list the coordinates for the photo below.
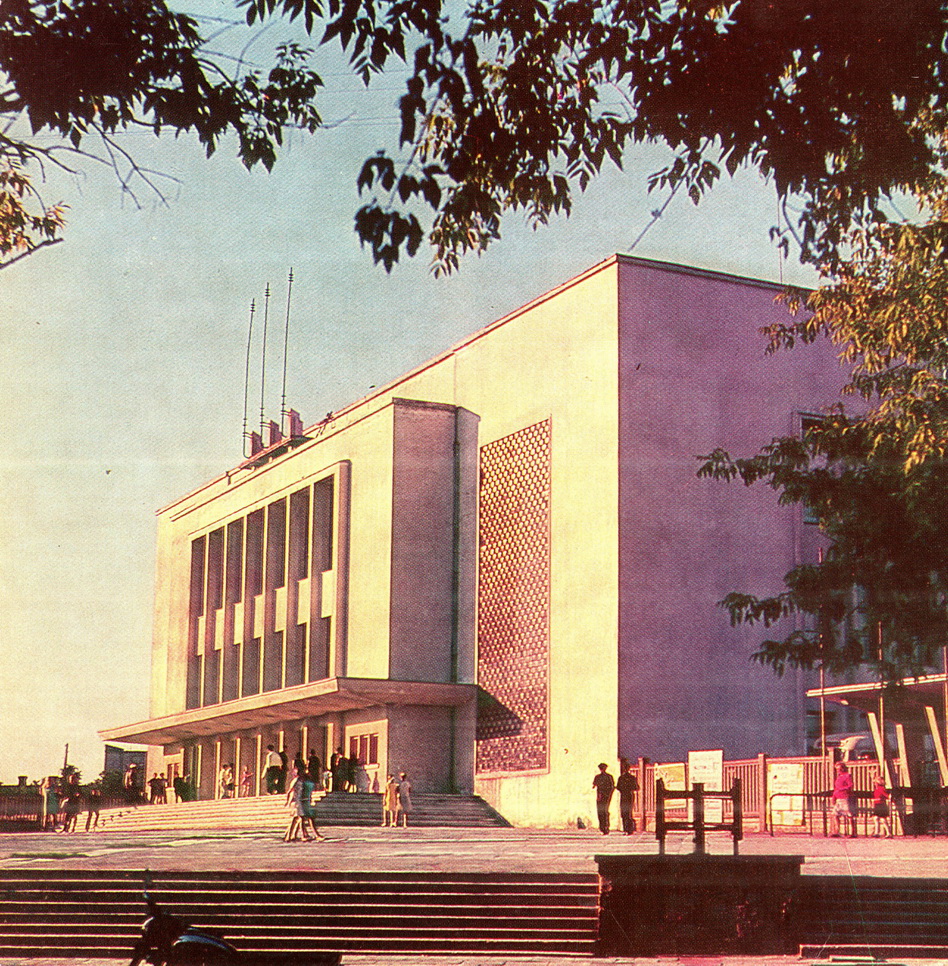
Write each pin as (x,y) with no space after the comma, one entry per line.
(447,850)
(453,850)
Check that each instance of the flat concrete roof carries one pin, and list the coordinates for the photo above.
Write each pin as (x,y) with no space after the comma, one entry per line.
(909,696)
(290,704)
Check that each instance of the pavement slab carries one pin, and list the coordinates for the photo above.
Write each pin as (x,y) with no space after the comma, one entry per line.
(458,850)
(446,850)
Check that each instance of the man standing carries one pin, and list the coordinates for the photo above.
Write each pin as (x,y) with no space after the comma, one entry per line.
(404,799)
(272,773)
(605,785)
(627,786)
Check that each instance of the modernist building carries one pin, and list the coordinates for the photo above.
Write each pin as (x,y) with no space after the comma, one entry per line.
(501,568)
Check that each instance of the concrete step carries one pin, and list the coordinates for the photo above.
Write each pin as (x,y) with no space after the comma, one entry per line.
(874,911)
(269,813)
(100,914)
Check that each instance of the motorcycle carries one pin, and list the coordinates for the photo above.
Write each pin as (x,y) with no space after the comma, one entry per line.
(168,940)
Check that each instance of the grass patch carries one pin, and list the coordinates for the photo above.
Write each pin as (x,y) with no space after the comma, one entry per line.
(49,855)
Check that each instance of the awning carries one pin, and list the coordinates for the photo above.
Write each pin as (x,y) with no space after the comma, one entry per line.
(909,697)
(289,704)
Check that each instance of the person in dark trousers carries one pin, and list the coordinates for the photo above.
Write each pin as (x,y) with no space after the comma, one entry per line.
(73,803)
(335,769)
(605,785)
(271,774)
(314,770)
(93,804)
(284,768)
(299,764)
(627,785)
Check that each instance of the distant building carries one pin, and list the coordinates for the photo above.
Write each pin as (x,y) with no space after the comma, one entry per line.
(501,568)
(118,759)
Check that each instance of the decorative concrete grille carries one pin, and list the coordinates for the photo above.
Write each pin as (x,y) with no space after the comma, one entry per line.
(513,601)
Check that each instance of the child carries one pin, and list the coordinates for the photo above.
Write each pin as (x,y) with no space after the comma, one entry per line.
(880,808)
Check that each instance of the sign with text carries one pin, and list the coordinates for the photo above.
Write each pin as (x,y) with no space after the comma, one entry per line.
(673,775)
(785,792)
(707,767)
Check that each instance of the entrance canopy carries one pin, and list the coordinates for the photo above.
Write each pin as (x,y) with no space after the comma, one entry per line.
(260,711)
(909,697)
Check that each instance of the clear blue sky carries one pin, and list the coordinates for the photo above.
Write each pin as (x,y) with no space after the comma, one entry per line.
(123,359)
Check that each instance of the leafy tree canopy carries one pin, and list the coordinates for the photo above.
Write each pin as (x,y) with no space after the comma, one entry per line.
(511,104)
(516,104)
(75,74)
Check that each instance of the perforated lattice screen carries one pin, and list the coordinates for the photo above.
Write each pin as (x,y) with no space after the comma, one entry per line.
(513,601)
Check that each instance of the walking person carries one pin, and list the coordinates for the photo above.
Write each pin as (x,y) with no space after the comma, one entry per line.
(627,785)
(299,798)
(404,799)
(605,786)
(881,810)
(93,804)
(72,803)
(246,781)
(842,798)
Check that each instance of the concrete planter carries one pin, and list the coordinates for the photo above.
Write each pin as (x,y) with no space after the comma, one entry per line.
(697,904)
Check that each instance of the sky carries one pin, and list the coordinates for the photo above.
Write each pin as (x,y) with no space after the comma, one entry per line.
(122,356)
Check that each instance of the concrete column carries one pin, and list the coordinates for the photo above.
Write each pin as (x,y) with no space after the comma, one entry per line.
(762,785)
(217,767)
(641,772)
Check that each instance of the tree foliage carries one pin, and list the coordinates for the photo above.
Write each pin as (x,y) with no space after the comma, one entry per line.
(76,74)
(25,222)
(875,477)
(515,104)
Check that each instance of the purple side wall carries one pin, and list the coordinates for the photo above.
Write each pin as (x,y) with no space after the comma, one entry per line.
(694,376)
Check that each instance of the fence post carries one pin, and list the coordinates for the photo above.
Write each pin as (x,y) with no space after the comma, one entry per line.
(660,815)
(737,815)
(698,791)
(762,791)
(643,805)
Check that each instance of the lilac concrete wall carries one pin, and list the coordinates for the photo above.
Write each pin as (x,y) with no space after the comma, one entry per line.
(693,375)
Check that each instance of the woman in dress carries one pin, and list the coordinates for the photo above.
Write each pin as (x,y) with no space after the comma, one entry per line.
(299,796)
(390,802)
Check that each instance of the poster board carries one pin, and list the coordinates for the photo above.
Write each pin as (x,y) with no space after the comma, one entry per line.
(785,792)
(707,767)
(673,775)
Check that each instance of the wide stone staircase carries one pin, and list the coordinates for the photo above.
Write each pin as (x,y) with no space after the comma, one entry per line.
(269,813)
(874,916)
(99,914)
